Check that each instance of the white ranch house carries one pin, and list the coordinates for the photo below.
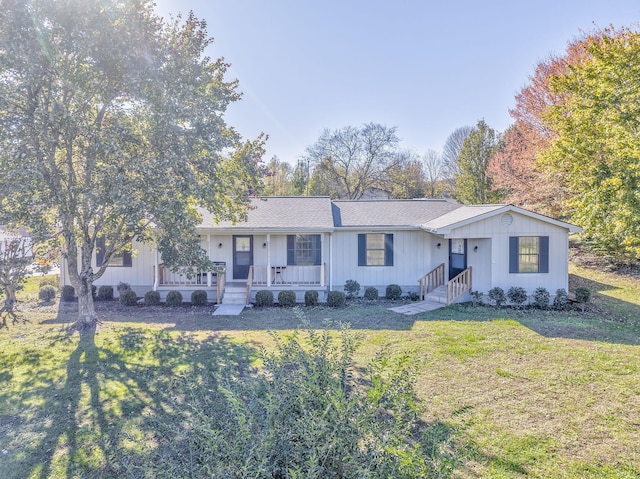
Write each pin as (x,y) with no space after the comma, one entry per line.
(314,243)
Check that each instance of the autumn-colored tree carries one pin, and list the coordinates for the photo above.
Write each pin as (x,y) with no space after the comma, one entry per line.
(514,168)
(595,144)
(407,178)
(277,177)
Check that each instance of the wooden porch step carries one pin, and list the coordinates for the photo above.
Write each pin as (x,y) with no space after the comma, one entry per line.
(234,294)
(438,295)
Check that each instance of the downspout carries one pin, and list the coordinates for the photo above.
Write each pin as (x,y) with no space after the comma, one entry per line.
(156,271)
(330,261)
(268,260)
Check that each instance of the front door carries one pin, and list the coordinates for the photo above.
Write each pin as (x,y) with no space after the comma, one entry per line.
(457,257)
(242,256)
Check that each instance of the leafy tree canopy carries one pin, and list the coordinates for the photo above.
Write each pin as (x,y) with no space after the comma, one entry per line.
(111,122)
(595,145)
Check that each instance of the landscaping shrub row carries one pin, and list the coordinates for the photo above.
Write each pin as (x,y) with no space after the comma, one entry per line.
(541,299)
(393,292)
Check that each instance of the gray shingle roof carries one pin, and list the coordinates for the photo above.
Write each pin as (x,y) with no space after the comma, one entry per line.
(394,213)
(463,213)
(281,212)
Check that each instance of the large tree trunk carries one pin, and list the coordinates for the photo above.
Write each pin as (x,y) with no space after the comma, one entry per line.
(87,317)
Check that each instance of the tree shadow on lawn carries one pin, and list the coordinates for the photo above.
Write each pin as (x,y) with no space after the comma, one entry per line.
(359,314)
(94,419)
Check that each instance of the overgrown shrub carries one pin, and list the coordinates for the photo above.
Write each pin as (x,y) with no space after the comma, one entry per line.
(371,293)
(476,298)
(336,299)
(287,298)
(517,295)
(497,296)
(105,293)
(413,296)
(583,295)
(351,288)
(541,298)
(152,298)
(128,297)
(311,298)
(264,298)
(47,293)
(561,301)
(393,292)
(123,287)
(300,416)
(67,294)
(199,298)
(174,299)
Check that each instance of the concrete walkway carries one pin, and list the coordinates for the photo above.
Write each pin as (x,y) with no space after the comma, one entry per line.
(419,307)
(228,310)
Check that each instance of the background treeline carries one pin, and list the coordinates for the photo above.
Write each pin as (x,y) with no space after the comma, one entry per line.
(572,152)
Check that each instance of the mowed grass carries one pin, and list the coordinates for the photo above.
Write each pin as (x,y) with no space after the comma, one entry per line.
(530,393)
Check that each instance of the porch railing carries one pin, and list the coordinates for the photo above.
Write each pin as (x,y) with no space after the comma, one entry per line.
(458,285)
(288,275)
(166,277)
(249,283)
(431,280)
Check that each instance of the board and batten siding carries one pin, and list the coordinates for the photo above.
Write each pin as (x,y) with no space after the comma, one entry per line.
(498,229)
(412,259)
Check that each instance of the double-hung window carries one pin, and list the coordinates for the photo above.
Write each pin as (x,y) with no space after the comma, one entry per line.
(121,258)
(528,254)
(304,250)
(375,249)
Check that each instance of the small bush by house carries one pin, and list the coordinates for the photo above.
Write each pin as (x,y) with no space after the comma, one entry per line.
(541,298)
(497,296)
(264,298)
(371,293)
(128,297)
(561,301)
(311,298)
(123,287)
(476,298)
(174,299)
(583,295)
(287,298)
(393,292)
(47,293)
(413,296)
(199,298)
(152,298)
(336,299)
(105,293)
(351,288)
(517,295)
(68,293)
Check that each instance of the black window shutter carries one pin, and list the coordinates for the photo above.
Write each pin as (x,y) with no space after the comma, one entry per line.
(99,250)
(317,249)
(388,249)
(291,249)
(544,254)
(362,250)
(513,254)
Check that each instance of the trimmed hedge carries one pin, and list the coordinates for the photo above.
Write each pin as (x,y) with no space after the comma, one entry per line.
(561,301)
(68,293)
(199,298)
(264,298)
(105,293)
(47,293)
(152,298)
(352,288)
(128,297)
(174,299)
(517,295)
(287,298)
(371,293)
(336,299)
(497,296)
(310,298)
(393,292)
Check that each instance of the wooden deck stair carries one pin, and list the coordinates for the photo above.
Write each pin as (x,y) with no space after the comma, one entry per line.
(235,294)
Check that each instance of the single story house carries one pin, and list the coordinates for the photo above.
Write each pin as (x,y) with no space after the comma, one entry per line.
(314,243)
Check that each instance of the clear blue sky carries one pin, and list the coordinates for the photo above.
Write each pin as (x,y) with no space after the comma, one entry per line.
(426,67)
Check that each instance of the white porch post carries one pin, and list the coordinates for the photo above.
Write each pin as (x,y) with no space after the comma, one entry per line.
(209,256)
(268,260)
(322,260)
(156,270)
(330,261)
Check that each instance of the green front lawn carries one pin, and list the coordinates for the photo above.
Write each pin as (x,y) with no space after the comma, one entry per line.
(530,393)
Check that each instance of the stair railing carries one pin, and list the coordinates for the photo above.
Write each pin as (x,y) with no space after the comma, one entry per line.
(459,285)
(249,283)
(431,280)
